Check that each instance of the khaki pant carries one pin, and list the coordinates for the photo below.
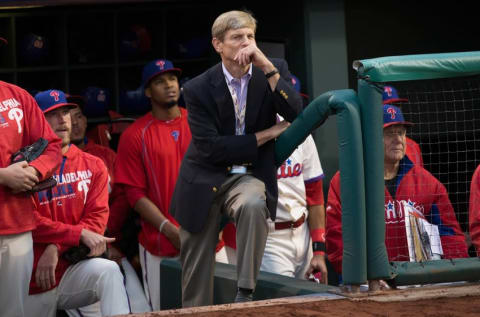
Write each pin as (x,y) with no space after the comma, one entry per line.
(242,198)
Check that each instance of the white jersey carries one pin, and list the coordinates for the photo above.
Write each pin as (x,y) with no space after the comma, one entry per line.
(302,167)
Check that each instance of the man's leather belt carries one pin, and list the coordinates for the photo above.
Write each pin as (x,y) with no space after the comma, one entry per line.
(290,224)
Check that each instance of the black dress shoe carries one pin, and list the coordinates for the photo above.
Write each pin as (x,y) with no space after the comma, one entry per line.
(244,295)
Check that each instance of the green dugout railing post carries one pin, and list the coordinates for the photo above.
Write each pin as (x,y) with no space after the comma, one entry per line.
(344,104)
(372,130)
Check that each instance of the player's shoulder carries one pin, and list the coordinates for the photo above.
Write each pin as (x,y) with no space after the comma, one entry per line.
(309,143)
(135,129)
(420,172)
(8,89)
(184,113)
(87,159)
(104,149)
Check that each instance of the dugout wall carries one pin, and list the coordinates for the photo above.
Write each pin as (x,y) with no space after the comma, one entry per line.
(444,94)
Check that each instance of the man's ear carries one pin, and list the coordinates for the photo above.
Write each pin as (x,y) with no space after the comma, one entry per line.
(148,92)
(217,45)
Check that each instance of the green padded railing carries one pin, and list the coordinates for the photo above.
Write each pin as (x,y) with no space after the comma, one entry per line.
(372,131)
(344,104)
(416,67)
(410,273)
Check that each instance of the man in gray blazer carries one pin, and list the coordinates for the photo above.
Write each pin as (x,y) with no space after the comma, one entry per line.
(229,169)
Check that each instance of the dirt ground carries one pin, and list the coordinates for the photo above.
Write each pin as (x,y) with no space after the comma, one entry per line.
(449,307)
(439,301)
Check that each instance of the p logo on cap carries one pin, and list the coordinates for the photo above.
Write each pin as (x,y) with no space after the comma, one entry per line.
(390,95)
(393,115)
(158,67)
(52,99)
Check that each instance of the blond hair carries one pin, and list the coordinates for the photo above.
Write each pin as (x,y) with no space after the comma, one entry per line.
(232,20)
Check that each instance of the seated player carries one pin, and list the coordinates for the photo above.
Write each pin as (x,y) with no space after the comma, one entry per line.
(409,188)
(73,212)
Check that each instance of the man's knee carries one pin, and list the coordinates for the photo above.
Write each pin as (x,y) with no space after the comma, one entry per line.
(104,268)
(254,206)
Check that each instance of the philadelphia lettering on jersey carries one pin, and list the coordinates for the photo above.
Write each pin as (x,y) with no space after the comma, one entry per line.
(289,170)
(395,210)
(14,113)
(68,185)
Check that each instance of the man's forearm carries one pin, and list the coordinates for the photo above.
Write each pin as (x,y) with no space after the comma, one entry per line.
(271,133)
(149,212)
(263,137)
(316,217)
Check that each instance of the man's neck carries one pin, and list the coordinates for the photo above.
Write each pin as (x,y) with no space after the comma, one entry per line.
(166,114)
(80,145)
(390,170)
(65,148)
(236,70)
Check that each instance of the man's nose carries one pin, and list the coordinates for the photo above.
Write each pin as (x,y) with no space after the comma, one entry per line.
(62,118)
(245,40)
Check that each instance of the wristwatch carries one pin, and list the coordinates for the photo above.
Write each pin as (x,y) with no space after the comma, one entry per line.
(270,74)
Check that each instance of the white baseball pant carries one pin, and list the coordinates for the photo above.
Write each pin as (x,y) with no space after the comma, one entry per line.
(16,263)
(83,284)
(288,252)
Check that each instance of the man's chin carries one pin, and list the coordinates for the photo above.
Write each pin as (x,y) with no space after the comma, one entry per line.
(171,104)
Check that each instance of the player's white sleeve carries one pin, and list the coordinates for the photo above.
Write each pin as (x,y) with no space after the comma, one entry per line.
(312,168)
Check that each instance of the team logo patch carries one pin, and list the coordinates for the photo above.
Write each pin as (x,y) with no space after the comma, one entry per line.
(55,95)
(392,112)
(175,134)
(160,64)
(388,91)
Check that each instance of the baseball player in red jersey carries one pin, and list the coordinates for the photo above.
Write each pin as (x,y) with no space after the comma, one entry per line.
(74,211)
(474,210)
(149,155)
(409,188)
(118,204)
(413,151)
(21,123)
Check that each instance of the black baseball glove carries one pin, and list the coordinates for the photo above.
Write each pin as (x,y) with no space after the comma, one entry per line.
(79,253)
(30,153)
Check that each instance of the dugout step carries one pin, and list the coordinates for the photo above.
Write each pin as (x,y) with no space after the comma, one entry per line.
(269,285)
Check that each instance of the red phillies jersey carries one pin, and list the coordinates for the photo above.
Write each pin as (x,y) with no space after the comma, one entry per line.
(79,201)
(474,210)
(149,155)
(416,188)
(105,153)
(22,123)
